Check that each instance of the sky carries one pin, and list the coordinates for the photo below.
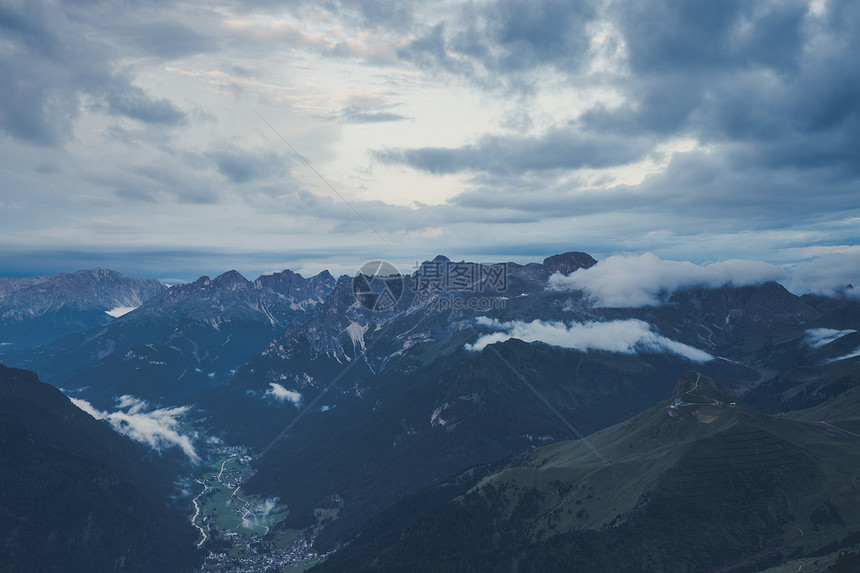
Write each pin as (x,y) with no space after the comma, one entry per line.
(177,139)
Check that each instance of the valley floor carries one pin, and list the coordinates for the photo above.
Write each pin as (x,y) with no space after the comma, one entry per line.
(236,529)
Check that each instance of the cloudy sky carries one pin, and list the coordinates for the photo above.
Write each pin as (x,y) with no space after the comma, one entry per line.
(178,139)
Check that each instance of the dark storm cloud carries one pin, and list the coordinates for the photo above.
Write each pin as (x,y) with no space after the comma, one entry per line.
(715,69)
(698,192)
(736,71)
(131,101)
(730,34)
(496,41)
(768,87)
(570,148)
(52,66)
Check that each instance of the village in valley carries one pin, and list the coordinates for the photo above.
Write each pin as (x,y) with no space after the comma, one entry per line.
(239,530)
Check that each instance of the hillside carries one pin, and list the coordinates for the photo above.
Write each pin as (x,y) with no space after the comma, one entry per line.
(76,495)
(706,484)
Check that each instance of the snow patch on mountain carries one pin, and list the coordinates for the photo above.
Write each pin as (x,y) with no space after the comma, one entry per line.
(356,334)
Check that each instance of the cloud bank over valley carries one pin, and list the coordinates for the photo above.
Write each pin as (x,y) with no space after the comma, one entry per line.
(621,336)
(159,428)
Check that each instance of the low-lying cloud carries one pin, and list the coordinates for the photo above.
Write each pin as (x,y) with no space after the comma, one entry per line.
(818,337)
(854,354)
(281,394)
(629,281)
(159,429)
(830,275)
(622,336)
(120,311)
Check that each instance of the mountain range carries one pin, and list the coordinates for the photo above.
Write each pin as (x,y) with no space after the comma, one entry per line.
(38,310)
(352,405)
(184,339)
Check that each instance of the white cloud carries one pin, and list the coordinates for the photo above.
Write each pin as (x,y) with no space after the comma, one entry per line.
(818,337)
(89,409)
(622,336)
(281,394)
(829,275)
(627,281)
(120,310)
(846,356)
(133,403)
(158,429)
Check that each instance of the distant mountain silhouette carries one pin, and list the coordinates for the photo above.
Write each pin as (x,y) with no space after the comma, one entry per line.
(37,310)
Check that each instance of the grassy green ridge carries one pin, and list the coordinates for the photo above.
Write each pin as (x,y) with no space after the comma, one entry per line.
(688,488)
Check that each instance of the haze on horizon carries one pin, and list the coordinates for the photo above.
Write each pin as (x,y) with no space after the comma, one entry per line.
(158,139)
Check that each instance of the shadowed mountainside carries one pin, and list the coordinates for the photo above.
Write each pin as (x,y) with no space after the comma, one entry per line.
(76,495)
(700,484)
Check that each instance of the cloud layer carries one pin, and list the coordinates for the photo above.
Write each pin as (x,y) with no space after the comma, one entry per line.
(628,281)
(158,429)
(831,275)
(818,337)
(621,336)
(281,394)
(135,132)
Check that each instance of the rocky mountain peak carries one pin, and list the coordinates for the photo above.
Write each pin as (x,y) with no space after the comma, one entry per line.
(230,279)
(325,276)
(566,263)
